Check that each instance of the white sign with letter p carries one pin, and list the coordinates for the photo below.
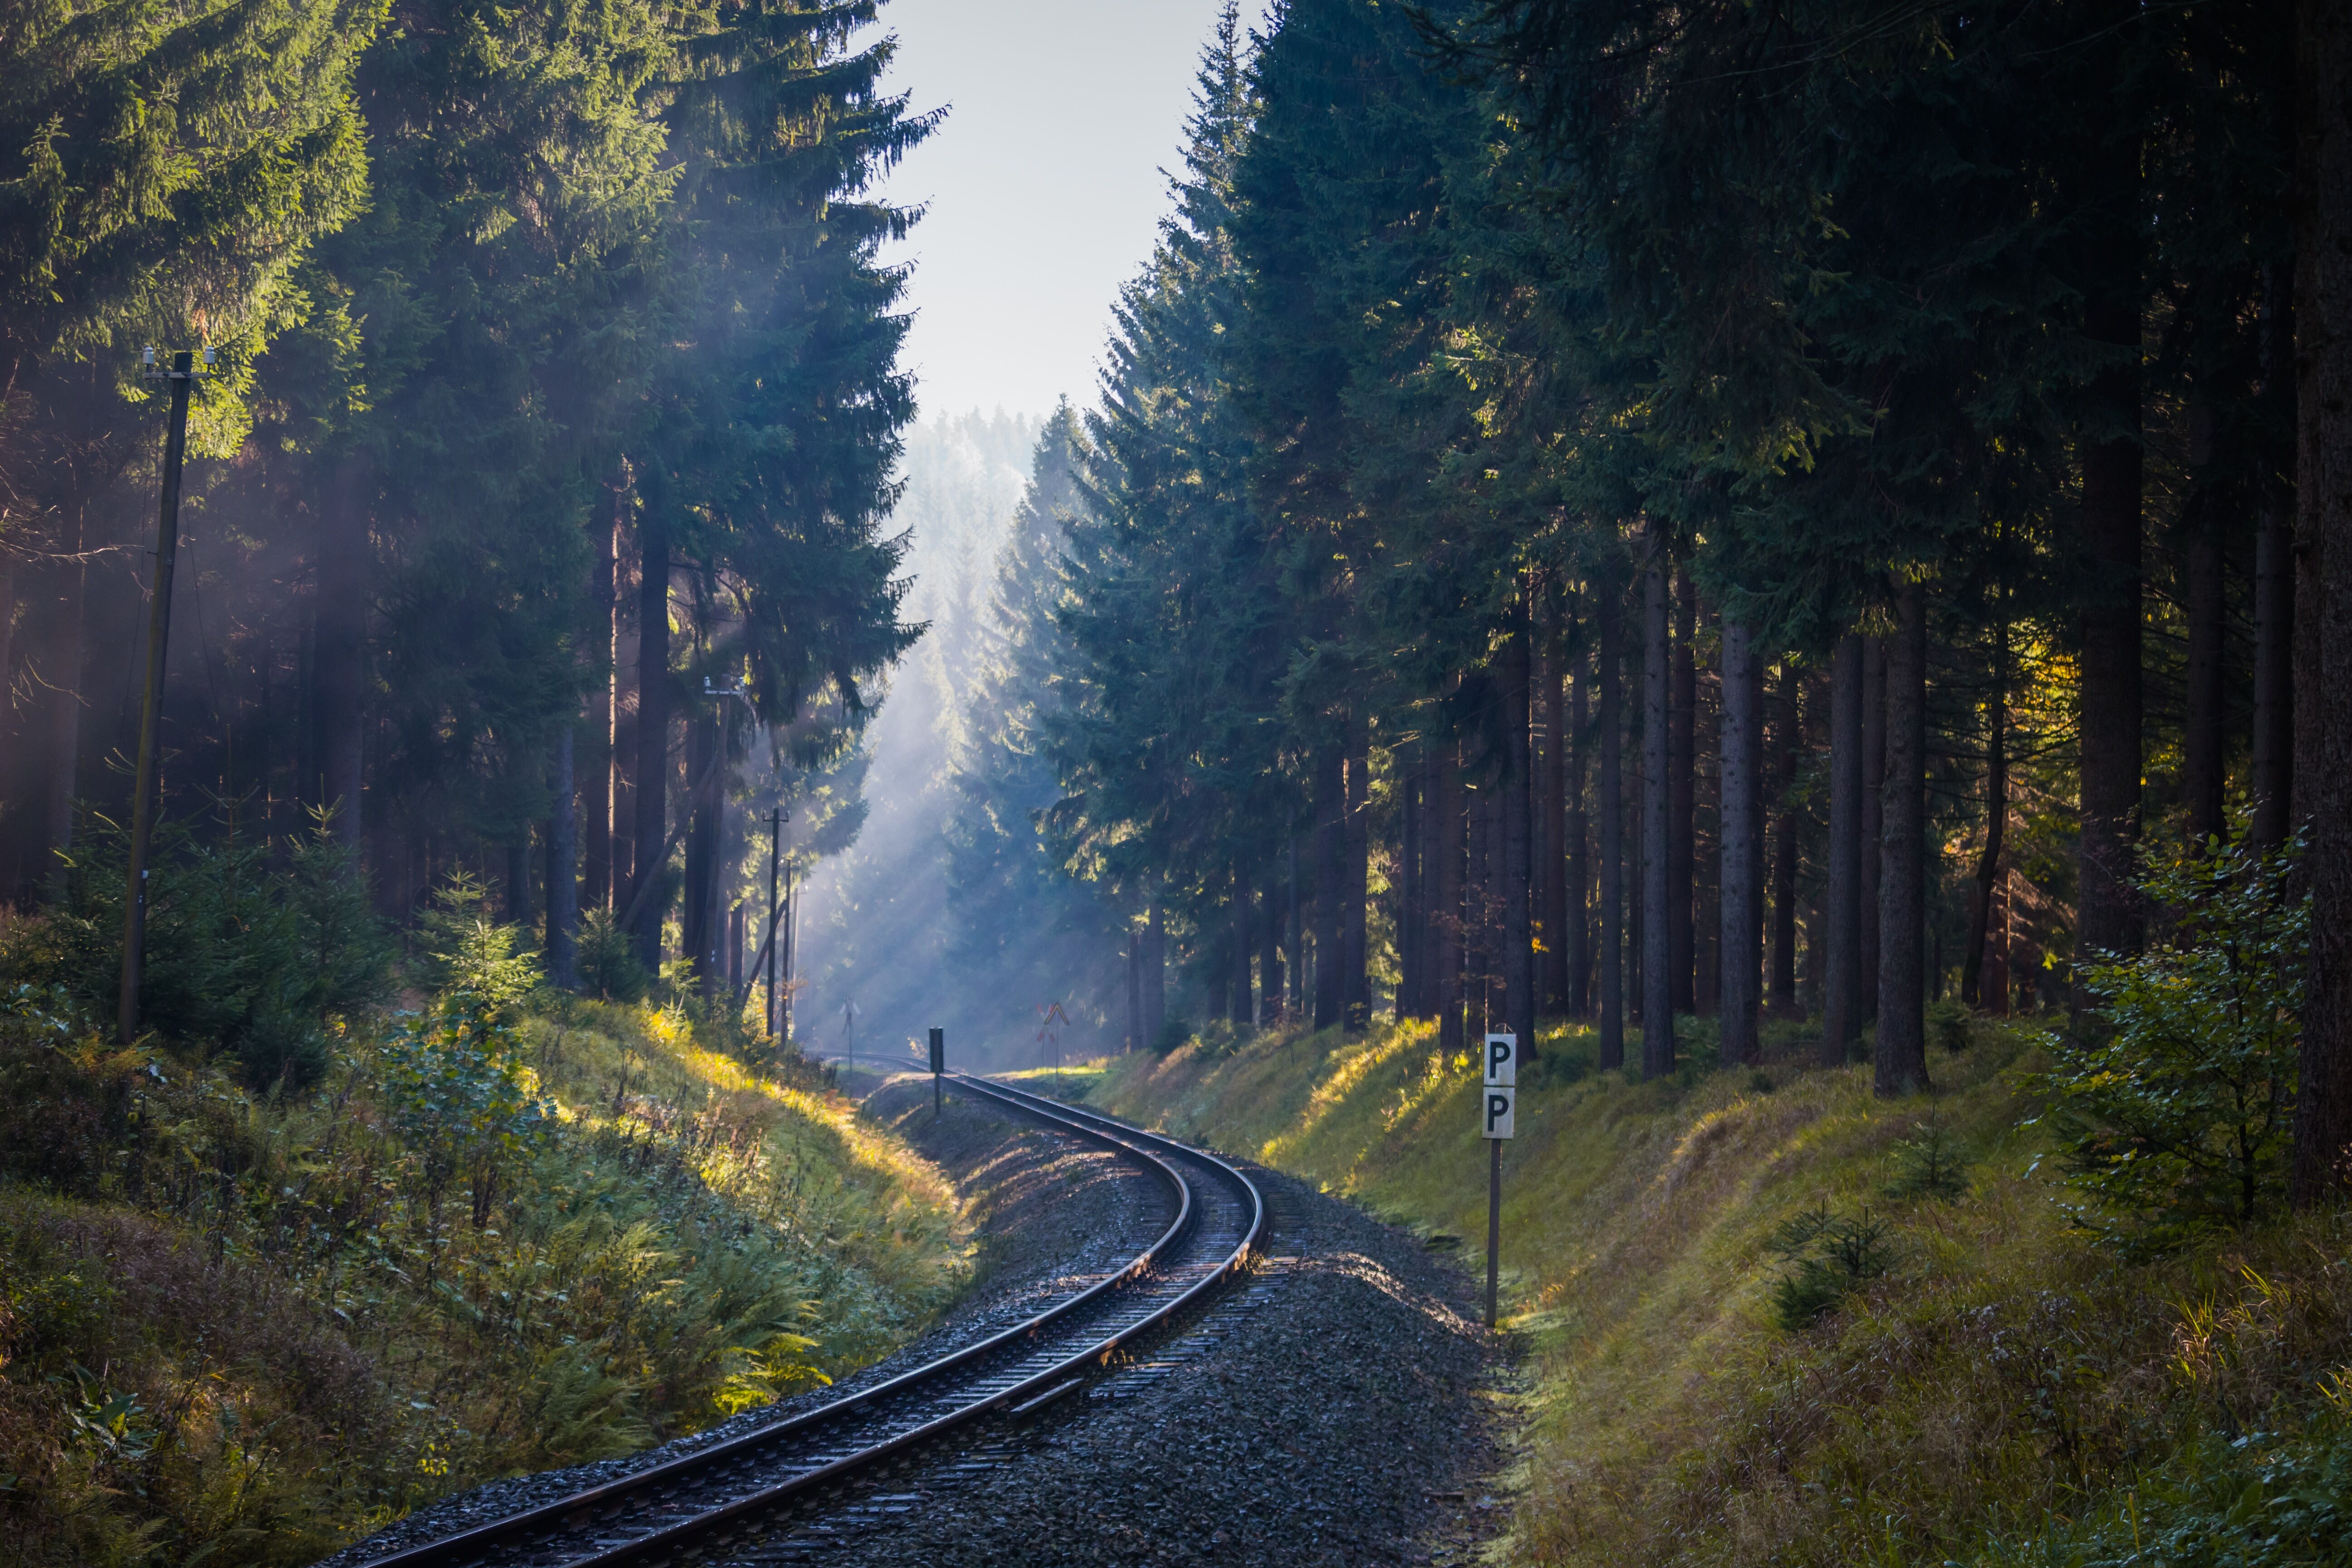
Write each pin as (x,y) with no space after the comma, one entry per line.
(1501,1104)
(1502,1061)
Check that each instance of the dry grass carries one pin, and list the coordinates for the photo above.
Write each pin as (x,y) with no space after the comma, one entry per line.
(2005,1379)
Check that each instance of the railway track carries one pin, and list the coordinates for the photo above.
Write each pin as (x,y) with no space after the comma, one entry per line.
(766,1476)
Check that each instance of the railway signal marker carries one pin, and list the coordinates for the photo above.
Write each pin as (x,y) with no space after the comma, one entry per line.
(1497,1099)
(939,1066)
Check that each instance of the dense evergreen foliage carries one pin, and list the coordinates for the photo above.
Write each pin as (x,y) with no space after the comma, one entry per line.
(1638,509)
(560,388)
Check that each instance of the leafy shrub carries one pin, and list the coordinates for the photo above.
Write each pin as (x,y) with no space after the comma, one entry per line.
(454,1088)
(1825,1258)
(1948,1025)
(1174,1035)
(2175,1114)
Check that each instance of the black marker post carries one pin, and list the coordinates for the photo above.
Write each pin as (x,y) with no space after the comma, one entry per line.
(1498,1097)
(939,1066)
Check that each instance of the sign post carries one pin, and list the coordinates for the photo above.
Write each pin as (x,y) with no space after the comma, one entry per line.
(939,1066)
(1499,1098)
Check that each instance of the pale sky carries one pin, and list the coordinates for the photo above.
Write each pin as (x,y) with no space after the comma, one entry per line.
(1044,186)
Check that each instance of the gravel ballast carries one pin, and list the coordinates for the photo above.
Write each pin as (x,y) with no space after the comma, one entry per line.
(1339,1406)
(1342,1407)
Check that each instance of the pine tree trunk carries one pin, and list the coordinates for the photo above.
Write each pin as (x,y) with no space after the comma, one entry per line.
(1515,879)
(517,897)
(1240,1011)
(1444,836)
(2271,770)
(696,938)
(1682,824)
(1155,975)
(1612,831)
(2322,1167)
(1134,978)
(563,859)
(1981,904)
(339,677)
(1657,824)
(1901,1056)
(1559,945)
(650,777)
(1269,953)
(1479,948)
(2107,919)
(64,677)
(597,776)
(1358,821)
(1408,891)
(2202,736)
(1842,965)
(1740,749)
(1874,814)
(1330,890)
(1579,843)
(1788,740)
(1706,720)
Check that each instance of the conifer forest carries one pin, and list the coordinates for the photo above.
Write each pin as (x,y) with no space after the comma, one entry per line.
(1749,544)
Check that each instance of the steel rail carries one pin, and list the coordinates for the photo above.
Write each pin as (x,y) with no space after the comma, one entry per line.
(470,1545)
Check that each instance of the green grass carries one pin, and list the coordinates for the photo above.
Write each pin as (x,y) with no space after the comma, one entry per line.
(2006,1393)
(243,1328)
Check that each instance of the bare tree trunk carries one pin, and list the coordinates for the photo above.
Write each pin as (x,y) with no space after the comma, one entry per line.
(1359,825)
(2202,736)
(517,900)
(1901,1056)
(1269,953)
(562,858)
(1842,968)
(1739,749)
(64,696)
(1409,893)
(650,777)
(1788,740)
(1331,891)
(1873,813)
(1241,1010)
(1443,834)
(1517,881)
(1706,720)
(1559,945)
(1612,831)
(2272,769)
(338,677)
(1980,906)
(1682,824)
(1657,824)
(2321,1171)
(1579,843)
(2107,917)
(1155,975)
(696,938)
(597,784)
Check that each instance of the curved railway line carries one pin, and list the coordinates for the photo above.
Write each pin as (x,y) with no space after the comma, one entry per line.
(764,1476)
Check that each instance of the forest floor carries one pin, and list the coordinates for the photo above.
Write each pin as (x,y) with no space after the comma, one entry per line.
(1770,1318)
(243,1327)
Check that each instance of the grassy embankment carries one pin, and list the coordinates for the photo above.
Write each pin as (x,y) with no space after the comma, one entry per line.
(242,1328)
(2003,1393)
